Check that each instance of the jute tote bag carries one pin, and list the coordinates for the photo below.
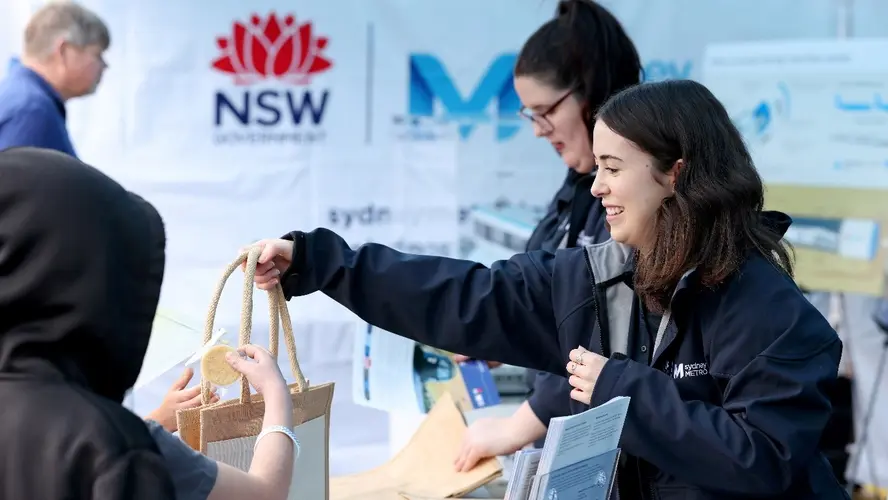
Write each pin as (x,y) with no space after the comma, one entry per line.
(226,431)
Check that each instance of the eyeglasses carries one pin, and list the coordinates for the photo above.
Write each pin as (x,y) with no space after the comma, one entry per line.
(542,119)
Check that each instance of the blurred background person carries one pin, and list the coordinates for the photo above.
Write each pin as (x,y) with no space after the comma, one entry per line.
(62,59)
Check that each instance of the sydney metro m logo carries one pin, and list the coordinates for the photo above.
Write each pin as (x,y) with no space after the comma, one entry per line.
(430,82)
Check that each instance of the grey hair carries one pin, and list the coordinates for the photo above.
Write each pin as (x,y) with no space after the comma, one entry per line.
(69,21)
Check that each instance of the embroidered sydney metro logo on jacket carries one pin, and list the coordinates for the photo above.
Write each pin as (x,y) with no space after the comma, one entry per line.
(686,370)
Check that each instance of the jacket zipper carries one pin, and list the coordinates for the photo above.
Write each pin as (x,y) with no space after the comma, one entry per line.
(616,478)
(651,489)
(595,303)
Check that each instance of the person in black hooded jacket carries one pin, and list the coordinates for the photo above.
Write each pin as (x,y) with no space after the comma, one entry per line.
(81,264)
(560,91)
(690,309)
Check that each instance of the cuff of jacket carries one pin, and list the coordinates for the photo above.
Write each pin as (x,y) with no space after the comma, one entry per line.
(609,379)
(297,260)
(540,409)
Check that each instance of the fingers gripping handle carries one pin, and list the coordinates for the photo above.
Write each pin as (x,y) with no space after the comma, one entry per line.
(278,313)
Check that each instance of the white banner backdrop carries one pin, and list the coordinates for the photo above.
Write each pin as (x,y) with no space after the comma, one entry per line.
(671,35)
(384,120)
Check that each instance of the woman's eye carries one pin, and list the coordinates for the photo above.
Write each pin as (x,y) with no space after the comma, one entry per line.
(610,170)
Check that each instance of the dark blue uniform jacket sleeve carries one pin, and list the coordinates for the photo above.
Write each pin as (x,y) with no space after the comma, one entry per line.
(550,397)
(502,313)
(772,354)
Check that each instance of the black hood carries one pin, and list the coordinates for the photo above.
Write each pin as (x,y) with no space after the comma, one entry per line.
(81,264)
(778,222)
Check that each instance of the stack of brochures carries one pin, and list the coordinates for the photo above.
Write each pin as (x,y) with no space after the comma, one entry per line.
(578,460)
(525,468)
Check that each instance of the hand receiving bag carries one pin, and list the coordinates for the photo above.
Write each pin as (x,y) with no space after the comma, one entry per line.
(227,431)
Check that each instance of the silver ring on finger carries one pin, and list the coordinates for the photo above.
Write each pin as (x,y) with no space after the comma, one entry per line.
(580,357)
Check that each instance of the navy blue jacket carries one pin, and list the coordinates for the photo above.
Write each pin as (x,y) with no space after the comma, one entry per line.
(574,218)
(731,406)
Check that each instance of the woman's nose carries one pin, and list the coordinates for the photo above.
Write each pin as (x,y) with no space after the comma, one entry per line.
(599,188)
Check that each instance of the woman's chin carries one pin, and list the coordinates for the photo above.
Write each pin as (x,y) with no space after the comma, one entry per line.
(583,167)
(618,236)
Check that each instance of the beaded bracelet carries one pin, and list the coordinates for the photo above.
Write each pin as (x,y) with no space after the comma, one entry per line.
(283,430)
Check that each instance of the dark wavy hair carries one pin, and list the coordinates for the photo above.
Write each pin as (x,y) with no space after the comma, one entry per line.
(583,49)
(714,220)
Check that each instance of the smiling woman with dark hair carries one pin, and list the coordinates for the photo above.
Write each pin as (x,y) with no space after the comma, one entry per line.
(690,309)
(712,194)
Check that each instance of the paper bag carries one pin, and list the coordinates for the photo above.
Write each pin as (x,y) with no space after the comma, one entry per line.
(424,468)
(226,431)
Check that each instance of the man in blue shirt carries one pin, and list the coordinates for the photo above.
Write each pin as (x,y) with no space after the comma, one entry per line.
(62,59)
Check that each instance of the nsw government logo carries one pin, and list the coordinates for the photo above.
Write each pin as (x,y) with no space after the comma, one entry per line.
(272,62)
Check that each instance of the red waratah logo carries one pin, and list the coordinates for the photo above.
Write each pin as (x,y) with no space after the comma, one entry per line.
(272,48)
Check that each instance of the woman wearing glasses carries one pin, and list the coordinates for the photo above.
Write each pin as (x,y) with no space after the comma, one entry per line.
(565,71)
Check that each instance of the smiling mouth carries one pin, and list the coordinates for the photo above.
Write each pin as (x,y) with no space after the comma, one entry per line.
(614,210)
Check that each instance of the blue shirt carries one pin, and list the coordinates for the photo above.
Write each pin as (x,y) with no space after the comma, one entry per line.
(32,113)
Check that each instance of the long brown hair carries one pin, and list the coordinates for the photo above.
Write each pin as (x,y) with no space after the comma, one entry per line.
(714,220)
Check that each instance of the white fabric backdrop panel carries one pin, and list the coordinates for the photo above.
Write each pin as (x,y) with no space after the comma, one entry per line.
(387,193)
(470,45)
(15,17)
(671,34)
(172,72)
